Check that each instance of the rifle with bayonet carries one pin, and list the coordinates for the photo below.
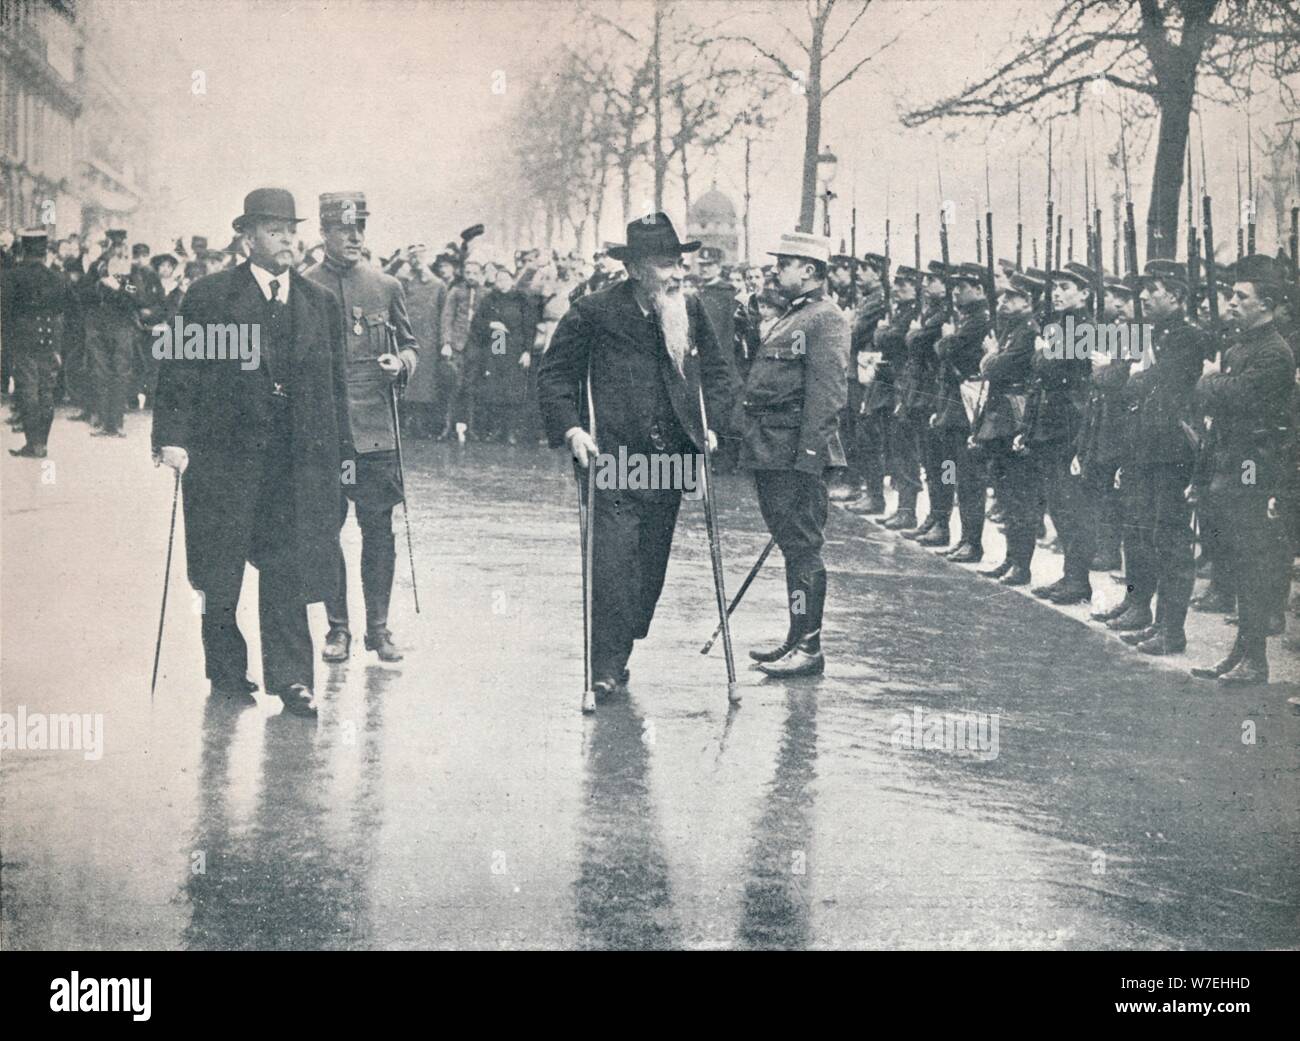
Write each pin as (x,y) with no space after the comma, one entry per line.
(990,284)
(1207,232)
(1130,228)
(1047,240)
(943,250)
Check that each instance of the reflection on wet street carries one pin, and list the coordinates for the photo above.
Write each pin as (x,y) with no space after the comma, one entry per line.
(1088,799)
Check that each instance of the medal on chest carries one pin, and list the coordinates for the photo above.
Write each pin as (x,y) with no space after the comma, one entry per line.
(356,321)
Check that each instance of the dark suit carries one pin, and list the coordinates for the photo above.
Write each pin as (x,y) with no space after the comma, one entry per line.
(263,483)
(33,302)
(643,407)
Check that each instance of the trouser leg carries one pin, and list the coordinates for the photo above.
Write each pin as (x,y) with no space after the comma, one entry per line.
(336,606)
(907,461)
(282,615)
(225,654)
(972,490)
(871,452)
(794,508)
(1023,506)
(1139,562)
(940,472)
(1064,505)
(1175,555)
(378,561)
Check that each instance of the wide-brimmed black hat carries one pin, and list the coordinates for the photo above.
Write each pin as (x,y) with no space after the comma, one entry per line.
(270,204)
(651,236)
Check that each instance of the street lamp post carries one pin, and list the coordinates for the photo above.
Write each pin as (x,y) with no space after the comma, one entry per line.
(826,164)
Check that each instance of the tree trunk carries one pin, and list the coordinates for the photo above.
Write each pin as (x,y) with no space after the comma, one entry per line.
(812,133)
(1167,177)
(686,184)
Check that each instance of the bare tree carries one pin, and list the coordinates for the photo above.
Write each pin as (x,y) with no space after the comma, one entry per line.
(1160,54)
(803,61)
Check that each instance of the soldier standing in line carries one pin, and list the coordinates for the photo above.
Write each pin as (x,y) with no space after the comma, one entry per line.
(890,341)
(1248,396)
(789,417)
(959,351)
(372,304)
(33,302)
(918,401)
(871,388)
(1008,367)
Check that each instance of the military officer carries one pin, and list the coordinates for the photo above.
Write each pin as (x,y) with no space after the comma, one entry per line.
(1248,397)
(33,302)
(380,350)
(789,417)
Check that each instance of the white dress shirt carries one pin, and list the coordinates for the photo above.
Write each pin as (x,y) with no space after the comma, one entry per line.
(264,278)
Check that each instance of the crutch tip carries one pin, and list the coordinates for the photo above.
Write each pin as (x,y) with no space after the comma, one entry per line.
(588,702)
(733,692)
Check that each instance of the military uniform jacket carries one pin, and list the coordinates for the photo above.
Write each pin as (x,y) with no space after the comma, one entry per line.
(889,338)
(1007,370)
(642,402)
(33,300)
(916,388)
(1105,433)
(789,410)
(959,361)
(1057,394)
(1248,403)
(368,301)
(865,372)
(1163,397)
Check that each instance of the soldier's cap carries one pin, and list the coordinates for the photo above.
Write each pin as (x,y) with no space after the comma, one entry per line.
(1027,283)
(116,235)
(343,207)
(1166,270)
(269,203)
(140,249)
(158,259)
(651,236)
(903,273)
(841,260)
(1075,274)
(198,243)
(34,241)
(803,246)
(875,261)
(969,272)
(936,269)
(1007,266)
(1258,268)
(710,255)
(444,258)
(1117,285)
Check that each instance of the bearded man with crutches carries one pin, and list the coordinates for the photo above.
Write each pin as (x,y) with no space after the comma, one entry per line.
(641,351)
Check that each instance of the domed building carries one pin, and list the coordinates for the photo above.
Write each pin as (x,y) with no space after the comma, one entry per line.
(712,220)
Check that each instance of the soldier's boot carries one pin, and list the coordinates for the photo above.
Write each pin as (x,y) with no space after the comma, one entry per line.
(938,535)
(1017,576)
(798,616)
(1226,665)
(1138,636)
(1167,641)
(29,451)
(996,572)
(1138,616)
(1075,590)
(378,562)
(805,657)
(1113,612)
(965,553)
(1046,592)
(1253,667)
(1214,600)
(922,529)
(900,520)
(338,645)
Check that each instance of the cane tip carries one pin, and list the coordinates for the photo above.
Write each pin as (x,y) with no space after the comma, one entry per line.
(733,692)
(588,702)
(707,647)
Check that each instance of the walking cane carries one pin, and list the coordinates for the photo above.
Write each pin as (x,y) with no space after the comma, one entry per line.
(401,469)
(740,593)
(715,555)
(167,571)
(587,527)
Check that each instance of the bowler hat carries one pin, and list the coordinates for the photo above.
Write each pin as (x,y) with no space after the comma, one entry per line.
(140,249)
(270,204)
(651,236)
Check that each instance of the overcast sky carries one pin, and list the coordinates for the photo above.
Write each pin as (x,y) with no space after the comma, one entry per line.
(396,99)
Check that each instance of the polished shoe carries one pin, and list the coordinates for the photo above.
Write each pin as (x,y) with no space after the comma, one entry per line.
(1071,594)
(605,688)
(1213,672)
(1111,612)
(803,659)
(995,572)
(1214,601)
(867,506)
(936,536)
(29,452)
(1137,617)
(338,645)
(1043,592)
(1162,643)
(903,519)
(1138,636)
(299,700)
(773,653)
(1245,673)
(1017,576)
(966,554)
(382,644)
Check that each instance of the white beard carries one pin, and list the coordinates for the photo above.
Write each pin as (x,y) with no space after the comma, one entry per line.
(675,324)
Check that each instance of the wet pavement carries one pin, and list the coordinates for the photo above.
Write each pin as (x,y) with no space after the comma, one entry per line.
(460,799)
